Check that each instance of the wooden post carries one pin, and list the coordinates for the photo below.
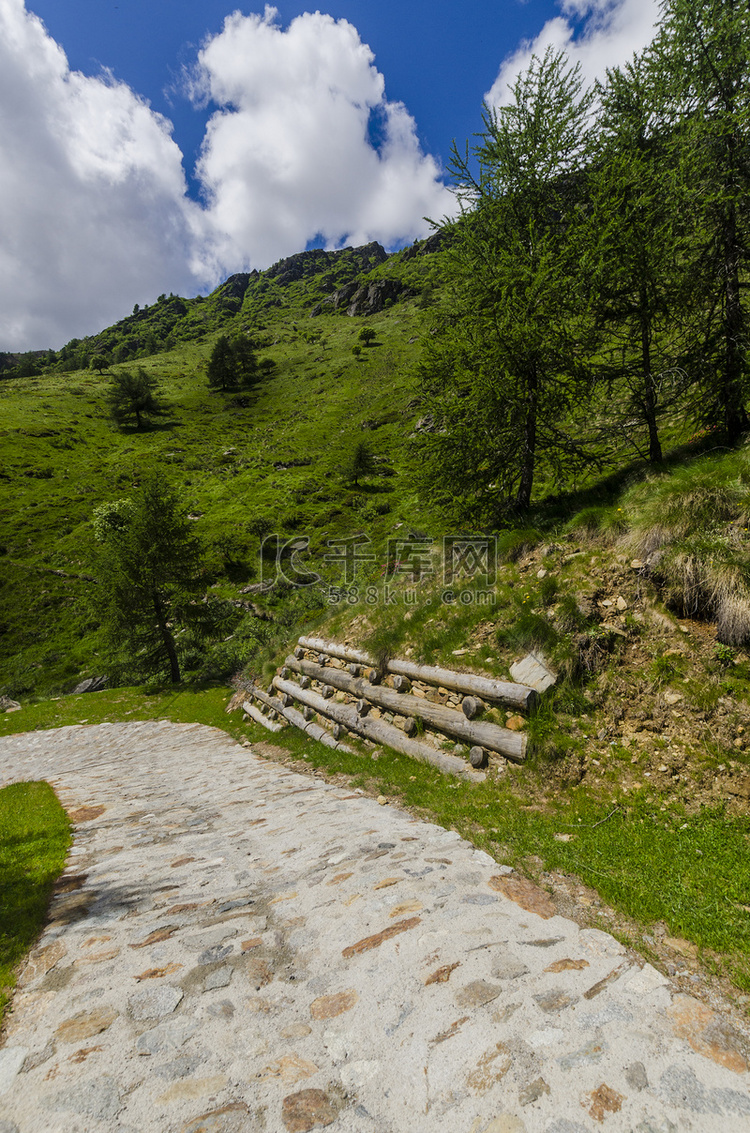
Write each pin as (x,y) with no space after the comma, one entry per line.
(296,718)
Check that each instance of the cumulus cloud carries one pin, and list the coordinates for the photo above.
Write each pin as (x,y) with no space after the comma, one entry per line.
(92,194)
(611,32)
(305,144)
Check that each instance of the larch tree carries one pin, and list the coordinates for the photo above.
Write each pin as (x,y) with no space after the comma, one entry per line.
(505,367)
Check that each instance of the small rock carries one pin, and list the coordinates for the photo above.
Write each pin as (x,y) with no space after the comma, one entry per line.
(515,723)
(154,1002)
(221,977)
(636,1077)
(8,705)
(477,993)
(11,1060)
(621,604)
(533,1091)
(382,800)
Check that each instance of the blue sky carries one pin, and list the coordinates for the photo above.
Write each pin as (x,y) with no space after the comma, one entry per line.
(161,146)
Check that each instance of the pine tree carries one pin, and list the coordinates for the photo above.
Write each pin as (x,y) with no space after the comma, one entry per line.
(149,570)
(636,245)
(134,394)
(701,56)
(505,365)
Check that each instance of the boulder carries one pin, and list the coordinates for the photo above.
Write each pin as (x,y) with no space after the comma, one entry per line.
(91,684)
(8,705)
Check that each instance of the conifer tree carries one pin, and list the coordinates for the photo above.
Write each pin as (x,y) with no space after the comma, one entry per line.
(505,365)
(701,58)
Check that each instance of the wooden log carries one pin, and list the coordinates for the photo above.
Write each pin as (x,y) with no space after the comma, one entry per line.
(299,652)
(343,652)
(373,676)
(308,713)
(287,701)
(354,670)
(304,681)
(255,714)
(322,658)
(502,692)
(285,672)
(477,757)
(380,732)
(410,726)
(470,706)
(492,736)
(327,691)
(294,717)
(337,731)
(362,706)
(402,684)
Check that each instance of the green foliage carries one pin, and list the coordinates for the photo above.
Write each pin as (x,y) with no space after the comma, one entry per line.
(99,362)
(150,580)
(367,336)
(504,369)
(359,463)
(134,394)
(34,841)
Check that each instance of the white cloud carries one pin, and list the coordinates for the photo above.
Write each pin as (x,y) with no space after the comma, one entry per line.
(92,188)
(289,155)
(91,194)
(613,30)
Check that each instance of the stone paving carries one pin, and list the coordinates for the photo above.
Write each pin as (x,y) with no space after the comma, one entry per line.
(237,948)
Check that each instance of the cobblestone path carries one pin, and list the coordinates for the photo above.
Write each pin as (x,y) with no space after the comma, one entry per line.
(237,948)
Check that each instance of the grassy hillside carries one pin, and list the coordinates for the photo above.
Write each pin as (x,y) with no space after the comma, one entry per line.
(247,462)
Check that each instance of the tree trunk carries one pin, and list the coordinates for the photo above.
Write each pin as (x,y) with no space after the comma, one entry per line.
(167,639)
(649,386)
(528,450)
(732,403)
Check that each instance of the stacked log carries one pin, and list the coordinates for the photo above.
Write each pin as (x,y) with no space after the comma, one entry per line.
(346,690)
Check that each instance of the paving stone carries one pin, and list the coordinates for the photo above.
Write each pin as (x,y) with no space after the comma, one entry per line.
(425,993)
(98,1098)
(154,1002)
(222,977)
(166,1036)
(12,1059)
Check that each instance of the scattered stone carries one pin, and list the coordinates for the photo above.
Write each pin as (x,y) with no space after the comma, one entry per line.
(42,961)
(529,896)
(85,1025)
(534,671)
(167,1036)
(507,967)
(85,814)
(91,684)
(599,987)
(232,1118)
(604,1100)
(567,966)
(222,977)
(375,941)
(533,1091)
(477,993)
(329,1006)
(302,1111)
(584,1056)
(97,1098)
(8,705)
(12,1059)
(515,723)
(636,1076)
(290,1068)
(442,975)
(157,973)
(154,1002)
(188,1089)
(553,1001)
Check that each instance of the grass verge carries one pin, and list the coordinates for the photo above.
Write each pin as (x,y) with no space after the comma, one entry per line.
(34,841)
